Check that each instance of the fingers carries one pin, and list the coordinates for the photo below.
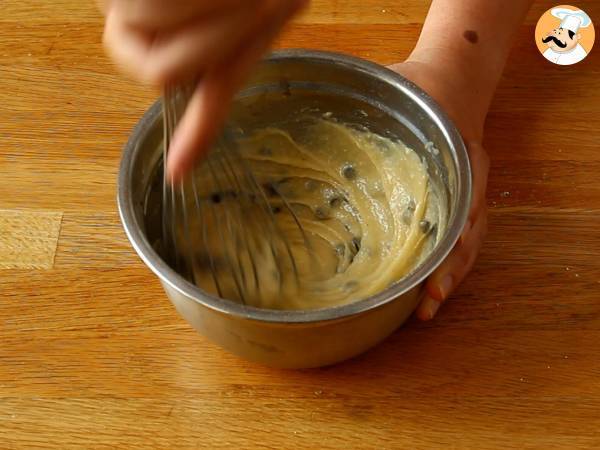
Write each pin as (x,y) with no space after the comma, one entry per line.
(204,45)
(193,49)
(167,14)
(198,126)
(210,103)
(460,261)
(453,270)
(206,112)
(168,56)
(462,258)
(127,46)
(163,42)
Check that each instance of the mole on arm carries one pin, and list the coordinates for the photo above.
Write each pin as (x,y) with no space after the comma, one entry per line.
(471,36)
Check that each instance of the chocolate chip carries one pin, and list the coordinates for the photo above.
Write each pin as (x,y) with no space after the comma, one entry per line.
(407,215)
(216,198)
(356,241)
(265,151)
(334,202)
(276,210)
(270,190)
(321,213)
(285,88)
(349,172)
(425,226)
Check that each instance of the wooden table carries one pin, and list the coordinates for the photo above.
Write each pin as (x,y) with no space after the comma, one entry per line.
(93,355)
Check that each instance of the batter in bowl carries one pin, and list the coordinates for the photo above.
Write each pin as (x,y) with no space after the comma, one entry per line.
(356,209)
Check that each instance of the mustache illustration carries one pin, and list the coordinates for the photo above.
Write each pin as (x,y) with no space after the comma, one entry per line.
(556,41)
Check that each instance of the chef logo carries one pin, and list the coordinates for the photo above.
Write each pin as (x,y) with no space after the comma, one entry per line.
(565,35)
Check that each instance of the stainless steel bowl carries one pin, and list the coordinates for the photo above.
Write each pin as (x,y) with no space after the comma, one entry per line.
(357,92)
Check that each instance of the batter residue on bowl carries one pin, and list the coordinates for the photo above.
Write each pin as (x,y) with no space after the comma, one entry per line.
(365,204)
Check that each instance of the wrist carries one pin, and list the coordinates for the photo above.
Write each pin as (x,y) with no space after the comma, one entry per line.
(450,80)
(469,76)
(465,45)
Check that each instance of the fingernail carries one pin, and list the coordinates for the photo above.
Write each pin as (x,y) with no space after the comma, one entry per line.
(465,231)
(429,308)
(445,286)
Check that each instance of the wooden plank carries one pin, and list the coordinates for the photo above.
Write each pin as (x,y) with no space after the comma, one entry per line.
(319,11)
(94,240)
(28,238)
(93,355)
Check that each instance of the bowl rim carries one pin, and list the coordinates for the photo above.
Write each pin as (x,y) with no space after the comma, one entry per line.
(175,281)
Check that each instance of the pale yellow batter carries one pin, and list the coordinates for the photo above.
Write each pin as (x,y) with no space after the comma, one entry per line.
(367,212)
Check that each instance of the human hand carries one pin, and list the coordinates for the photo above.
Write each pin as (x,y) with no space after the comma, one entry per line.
(215,43)
(449,92)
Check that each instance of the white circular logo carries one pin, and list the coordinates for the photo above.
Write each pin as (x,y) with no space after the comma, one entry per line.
(565,35)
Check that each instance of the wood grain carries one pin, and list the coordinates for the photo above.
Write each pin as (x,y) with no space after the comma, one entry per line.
(92,355)
(28,239)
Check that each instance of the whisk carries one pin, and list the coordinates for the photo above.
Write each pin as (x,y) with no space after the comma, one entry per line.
(218,225)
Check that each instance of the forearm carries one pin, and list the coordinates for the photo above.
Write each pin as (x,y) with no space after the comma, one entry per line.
(472,40)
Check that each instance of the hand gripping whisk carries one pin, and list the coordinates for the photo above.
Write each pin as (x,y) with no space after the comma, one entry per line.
(218,224)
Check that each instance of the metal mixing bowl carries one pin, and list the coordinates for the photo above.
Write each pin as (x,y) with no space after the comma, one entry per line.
(354,91)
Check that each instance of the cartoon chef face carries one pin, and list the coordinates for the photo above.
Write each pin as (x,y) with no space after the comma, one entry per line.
(561,40)
(566,37)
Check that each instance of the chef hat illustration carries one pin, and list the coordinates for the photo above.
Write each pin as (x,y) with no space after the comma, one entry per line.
(572,20)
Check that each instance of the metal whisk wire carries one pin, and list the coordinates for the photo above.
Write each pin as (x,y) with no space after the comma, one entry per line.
(244,222)
(257,193)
